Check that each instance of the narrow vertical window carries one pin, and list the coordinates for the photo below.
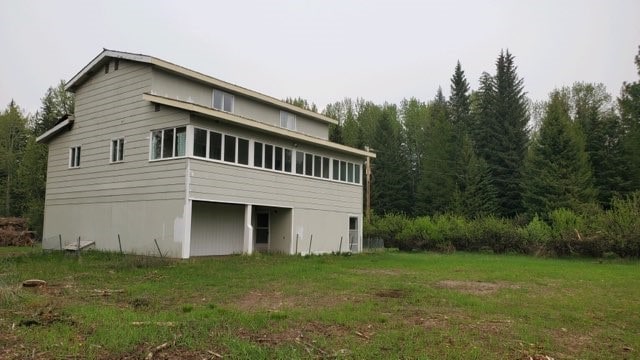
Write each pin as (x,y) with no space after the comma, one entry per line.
(325,167)
(181,141)
(336,169)
(299,162)
(222,101)
(167,143)
(308,164)
(317,166)
(287,160)
(257,154)
(215,146)
(74,157)
(343,171)
(278,159)
(350,172)
(156,144)
(229,148)
(243,151)
(357,173)
(199,142)
(268,156)
(117,150)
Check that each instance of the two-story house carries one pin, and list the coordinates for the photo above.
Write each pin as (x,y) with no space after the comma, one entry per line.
(157,153)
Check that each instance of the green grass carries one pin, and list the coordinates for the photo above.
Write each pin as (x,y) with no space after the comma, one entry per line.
(382,305)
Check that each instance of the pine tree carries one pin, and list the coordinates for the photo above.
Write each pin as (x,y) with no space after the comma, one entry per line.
(56,103)
(475,195)
(390,184)
(459,102)
(629,105)
(500,132)
(558,173)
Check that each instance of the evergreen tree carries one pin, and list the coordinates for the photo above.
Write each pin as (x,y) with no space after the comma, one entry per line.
(501,132)
(437,182)
(475,195)
(459,102)
(13,139)
(629,105)
(390,183)
(602,129)
(414,114)
(558,173)
(56,103)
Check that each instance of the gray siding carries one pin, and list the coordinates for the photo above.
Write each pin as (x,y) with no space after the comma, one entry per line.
(90,201)
(176,87)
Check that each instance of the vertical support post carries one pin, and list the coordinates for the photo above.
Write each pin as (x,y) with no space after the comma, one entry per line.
(78,248)
(119,244)
(340,248)
(310,242)
(60,239)
(297,243)
(368,197)
(248,230)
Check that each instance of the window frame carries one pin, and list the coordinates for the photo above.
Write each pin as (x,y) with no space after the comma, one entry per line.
(174,144)
(225,95)
(117,145)
(75,153)
(287,117)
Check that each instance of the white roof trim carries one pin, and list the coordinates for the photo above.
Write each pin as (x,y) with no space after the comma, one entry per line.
(54,130)
(238,120)
(222,85)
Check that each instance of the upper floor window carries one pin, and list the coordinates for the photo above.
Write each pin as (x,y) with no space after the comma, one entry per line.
(168,143)
(222,101)
(74,157)
(117,150)
(287,120)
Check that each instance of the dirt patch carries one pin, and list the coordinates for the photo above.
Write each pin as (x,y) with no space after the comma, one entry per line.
(277,300)
(386,272)
(391,293)
(475,287)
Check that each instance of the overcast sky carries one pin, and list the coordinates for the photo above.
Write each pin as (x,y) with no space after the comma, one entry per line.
(325,50)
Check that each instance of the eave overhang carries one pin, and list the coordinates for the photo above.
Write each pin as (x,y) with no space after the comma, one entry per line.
(63,124)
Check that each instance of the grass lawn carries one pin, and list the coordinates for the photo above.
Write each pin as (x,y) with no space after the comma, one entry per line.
(369,306)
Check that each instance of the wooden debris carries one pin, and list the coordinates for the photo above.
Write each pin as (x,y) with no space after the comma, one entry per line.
(362,335)
(214,354)
(106,292)
(14,232)
(157,349)
(34,283)
(157,323)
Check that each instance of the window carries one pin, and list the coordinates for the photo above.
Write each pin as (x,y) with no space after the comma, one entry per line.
(222,101)
(268,156)
(74,157)
(287,160)
(168,143)
(287,120)
(350,172)
(243,151)
(308,164)
(317,166)
(257,154)
(278,160)
(336,169)
(200,143)
(325,167)
(357,173)
(229,148)
(299,162)
(343,171)
(117,150)
(215,145)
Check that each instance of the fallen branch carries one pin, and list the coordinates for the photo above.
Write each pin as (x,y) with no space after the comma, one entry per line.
(214,354)
(106,292)
(157,349)
(362,335)
(157,323)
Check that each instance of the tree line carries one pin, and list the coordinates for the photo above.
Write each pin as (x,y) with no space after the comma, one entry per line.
(493,152)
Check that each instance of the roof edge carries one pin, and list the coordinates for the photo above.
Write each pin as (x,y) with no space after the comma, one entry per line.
(255,125)
(47,135)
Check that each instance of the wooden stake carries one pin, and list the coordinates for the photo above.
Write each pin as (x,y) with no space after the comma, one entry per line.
(340,248)
(60,238)
(119,244)
(156,241)
(310,242)
(297,243)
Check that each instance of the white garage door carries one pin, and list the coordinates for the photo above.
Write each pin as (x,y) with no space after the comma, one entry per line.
(216,229)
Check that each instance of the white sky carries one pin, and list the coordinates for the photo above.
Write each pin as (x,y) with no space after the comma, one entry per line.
(325,50)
